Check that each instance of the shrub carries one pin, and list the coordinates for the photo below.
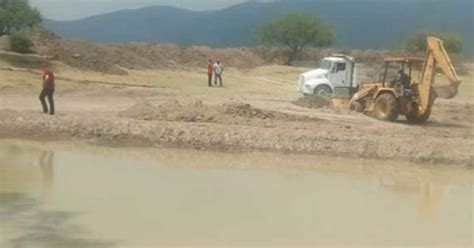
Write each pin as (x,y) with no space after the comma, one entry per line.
(20,43)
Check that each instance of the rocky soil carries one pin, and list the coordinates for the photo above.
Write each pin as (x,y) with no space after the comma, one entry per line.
(313,102)
(446,139)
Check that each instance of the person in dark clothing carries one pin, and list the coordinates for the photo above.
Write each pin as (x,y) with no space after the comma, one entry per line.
(210,71)
(404,79)
(48,90)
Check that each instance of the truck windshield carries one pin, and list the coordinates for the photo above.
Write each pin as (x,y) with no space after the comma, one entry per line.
(326,64)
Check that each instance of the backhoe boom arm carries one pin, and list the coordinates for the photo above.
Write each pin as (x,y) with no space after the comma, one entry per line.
(436,56)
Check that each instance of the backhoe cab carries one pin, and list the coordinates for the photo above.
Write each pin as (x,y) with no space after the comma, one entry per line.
(400,92)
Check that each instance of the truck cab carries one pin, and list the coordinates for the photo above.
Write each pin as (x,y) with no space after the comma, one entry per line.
(336,76)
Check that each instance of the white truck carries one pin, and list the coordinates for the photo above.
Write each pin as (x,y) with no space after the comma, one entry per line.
(336,76)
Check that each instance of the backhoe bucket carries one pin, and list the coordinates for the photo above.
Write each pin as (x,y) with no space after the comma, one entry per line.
(446,92)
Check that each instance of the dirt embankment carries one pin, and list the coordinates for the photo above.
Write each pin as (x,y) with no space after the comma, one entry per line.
(243,127)
(114,58)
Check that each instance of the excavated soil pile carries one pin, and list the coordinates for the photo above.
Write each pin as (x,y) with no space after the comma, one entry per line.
(313,102)
(115,58)
(233,113)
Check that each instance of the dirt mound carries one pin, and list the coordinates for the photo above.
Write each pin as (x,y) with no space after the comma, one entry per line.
(234,113)
(245,110)
(143,111)
(170,111)
(115,58)
(313,102)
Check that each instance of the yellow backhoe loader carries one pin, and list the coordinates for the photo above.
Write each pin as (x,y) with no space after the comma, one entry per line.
(404,96)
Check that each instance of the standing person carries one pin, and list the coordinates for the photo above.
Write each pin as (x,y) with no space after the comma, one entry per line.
(48,90)
(210,70)
(218,70)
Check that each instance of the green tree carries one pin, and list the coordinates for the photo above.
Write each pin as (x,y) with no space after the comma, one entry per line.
(452,42)
(295,31)
(16,15)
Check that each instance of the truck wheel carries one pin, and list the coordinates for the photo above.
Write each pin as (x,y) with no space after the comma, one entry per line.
(322,90)
(357,107)
(386,107)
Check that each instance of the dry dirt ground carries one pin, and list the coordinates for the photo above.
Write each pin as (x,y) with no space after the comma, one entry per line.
(254,111)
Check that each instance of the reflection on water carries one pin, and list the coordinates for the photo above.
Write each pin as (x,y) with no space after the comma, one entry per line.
(430,199)
(163,197)
(428,195)
(47,171)
(25,224)
(23,221)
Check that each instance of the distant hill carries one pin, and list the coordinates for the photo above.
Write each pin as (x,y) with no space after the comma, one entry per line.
(358,23)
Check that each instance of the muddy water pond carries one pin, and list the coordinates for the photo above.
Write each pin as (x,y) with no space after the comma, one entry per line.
(58,194)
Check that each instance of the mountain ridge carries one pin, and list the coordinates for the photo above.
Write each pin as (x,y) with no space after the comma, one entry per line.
(360,24)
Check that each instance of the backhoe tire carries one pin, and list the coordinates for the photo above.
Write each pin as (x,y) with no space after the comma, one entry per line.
(416,118)
(357,107)
(386,107)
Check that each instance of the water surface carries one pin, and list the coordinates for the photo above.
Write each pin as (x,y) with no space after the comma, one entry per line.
(76,195)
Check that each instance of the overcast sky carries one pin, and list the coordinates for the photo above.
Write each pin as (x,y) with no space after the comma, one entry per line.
(76,9)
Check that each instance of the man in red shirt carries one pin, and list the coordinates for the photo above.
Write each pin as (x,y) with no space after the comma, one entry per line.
(210,70)
(48,90)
